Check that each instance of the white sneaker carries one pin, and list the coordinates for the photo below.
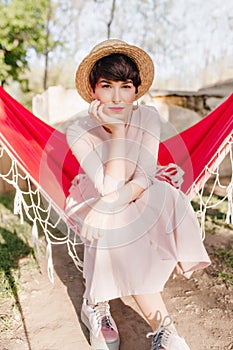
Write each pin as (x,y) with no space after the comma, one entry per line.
(103,330)
(163,338)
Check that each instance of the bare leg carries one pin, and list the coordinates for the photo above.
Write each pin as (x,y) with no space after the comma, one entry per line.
(154,309)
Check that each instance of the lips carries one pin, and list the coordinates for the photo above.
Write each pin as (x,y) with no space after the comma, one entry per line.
(116,109)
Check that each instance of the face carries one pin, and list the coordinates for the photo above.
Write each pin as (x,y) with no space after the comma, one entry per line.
(117,96)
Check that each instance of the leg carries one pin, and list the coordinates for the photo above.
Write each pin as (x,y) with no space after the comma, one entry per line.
(154,309)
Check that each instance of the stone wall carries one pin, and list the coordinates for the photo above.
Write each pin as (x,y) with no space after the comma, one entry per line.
(201,101)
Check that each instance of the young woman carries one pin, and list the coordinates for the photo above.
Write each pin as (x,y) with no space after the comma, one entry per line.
(136,229)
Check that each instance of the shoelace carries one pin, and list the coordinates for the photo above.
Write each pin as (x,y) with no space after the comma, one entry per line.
(102,311)
(106,322)
(161,335)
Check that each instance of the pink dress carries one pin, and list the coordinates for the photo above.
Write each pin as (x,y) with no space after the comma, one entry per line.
(143,241)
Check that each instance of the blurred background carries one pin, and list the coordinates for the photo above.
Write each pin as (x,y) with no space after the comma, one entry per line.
(43,41)
(41,44)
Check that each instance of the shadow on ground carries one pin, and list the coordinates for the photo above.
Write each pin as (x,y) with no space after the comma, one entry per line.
(132,327)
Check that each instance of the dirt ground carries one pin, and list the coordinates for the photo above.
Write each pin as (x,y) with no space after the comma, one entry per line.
(49,313)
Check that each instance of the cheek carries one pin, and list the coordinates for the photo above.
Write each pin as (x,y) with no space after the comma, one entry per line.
(129,96)
(102,96)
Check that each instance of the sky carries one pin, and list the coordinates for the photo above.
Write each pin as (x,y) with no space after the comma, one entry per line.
(190,41)
(183,39)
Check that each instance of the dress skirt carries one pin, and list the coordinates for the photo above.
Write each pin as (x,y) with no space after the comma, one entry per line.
(141,243)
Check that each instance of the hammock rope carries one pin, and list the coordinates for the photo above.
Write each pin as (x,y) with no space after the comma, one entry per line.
(30,202)
(212,170)
(51,167)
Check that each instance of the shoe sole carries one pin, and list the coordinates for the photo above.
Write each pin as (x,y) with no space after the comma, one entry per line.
(97,344)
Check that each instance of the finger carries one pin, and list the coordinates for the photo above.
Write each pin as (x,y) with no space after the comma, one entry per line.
(106,119)
(93,108)
(92,111)
(83,231)
(101,117)
(86,230)
(95,234)
(89,236)
(103,114)
(87,233)
(100,233)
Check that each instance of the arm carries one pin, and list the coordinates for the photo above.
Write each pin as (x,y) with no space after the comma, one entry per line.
(116,168)
(145,171)
(147,162)
(107,178)
(146,165)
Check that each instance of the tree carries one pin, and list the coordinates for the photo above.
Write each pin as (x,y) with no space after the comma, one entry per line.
(22,27)
(111,17)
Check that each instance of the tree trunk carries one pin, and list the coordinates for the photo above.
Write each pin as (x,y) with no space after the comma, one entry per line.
(47,46)
(111,18)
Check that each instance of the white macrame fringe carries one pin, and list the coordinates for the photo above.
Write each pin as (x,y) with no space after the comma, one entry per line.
(28,203)
(18,205)
(40,215)
(229,217)
(35,238)
(214,173)
(49,256)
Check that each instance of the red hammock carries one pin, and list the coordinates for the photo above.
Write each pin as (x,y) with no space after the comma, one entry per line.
(44,154)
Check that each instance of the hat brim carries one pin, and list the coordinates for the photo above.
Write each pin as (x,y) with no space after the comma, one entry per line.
(140,57)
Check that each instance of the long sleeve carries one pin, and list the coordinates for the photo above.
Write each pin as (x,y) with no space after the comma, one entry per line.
(148,155)
(80,142)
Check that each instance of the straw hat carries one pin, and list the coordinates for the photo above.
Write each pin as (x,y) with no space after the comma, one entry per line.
(141,59)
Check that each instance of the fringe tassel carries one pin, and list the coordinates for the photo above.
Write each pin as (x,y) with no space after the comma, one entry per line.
(49,256)
(229,216)
(35,237)
(18,205)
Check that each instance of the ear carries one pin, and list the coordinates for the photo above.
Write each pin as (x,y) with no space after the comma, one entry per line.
(93,95)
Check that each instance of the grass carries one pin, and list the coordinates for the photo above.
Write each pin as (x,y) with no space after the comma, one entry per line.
(221,257)
(16,255)
(14,246)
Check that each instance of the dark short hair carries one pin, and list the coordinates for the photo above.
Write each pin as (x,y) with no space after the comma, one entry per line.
(116,67)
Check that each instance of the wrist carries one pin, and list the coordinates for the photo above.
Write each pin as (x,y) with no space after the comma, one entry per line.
(104,206)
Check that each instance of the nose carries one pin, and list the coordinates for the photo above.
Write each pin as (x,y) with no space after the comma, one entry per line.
(116,96)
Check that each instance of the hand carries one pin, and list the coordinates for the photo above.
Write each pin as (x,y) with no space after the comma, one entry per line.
(94,224)
(99,218)
(96,111)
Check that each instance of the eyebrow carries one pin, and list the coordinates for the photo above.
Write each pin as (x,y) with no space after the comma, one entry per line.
(128,81)
(105,81)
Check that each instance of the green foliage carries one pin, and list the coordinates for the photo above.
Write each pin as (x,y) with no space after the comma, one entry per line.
(14,246)
(22,27)
(224,258)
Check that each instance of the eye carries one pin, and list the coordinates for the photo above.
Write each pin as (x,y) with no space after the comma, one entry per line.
(106,86)
(127,86)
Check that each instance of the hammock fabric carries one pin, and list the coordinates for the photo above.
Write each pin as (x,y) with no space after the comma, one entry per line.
(43,153)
